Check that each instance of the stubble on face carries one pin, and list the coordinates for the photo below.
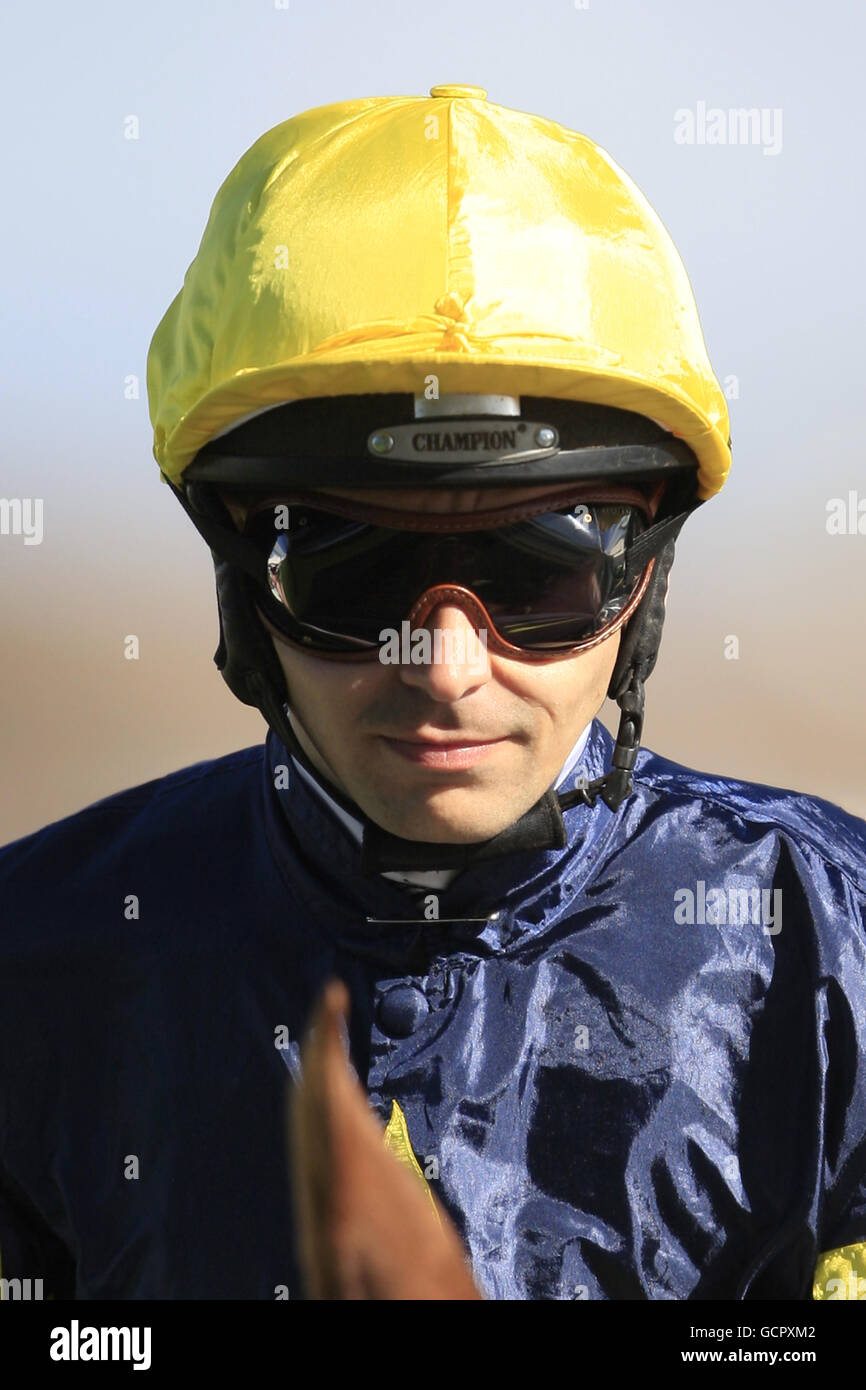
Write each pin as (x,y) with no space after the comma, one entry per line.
(343,718)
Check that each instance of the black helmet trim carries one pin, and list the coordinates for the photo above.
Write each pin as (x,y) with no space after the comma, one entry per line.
(324,442)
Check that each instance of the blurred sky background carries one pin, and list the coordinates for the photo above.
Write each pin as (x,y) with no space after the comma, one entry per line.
(97,234)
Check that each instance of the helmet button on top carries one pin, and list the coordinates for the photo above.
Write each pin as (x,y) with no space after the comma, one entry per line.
(454,89)
(401,1011)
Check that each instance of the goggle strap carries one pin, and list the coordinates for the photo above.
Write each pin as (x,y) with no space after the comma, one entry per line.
(224,541)
(652,541)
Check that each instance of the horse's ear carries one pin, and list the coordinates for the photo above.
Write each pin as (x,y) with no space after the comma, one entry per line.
(368,1227)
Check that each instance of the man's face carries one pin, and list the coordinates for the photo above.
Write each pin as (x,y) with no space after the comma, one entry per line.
(457,749)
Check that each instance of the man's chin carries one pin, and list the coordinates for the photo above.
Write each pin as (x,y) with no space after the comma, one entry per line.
(449,824)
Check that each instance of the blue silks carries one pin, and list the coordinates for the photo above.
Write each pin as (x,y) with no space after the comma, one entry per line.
(640,1075)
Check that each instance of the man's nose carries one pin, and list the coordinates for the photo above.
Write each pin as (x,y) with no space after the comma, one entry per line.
(448,654)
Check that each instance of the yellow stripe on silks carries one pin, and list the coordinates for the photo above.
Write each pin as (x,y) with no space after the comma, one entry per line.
(841,1274)
(397,1142)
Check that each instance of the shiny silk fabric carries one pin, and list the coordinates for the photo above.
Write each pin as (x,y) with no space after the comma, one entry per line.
(612,1101)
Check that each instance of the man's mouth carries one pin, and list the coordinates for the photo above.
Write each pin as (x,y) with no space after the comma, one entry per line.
(457,751)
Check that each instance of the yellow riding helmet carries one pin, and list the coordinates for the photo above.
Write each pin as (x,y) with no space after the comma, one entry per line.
(364,246)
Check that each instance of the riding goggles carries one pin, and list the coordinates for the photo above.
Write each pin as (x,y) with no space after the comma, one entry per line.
(541,579)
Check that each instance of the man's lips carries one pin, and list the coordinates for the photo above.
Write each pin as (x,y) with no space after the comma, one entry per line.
(446,741)
(456,751)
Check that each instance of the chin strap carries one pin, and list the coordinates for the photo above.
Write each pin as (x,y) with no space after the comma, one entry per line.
(541,827)
(616,785)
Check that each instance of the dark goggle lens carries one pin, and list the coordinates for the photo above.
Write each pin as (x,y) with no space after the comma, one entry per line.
(547,582)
